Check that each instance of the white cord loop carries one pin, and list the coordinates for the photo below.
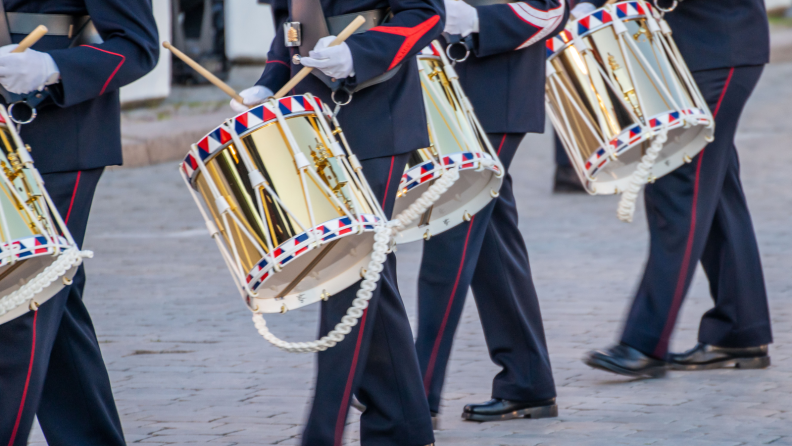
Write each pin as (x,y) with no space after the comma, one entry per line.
(70,258)
(382,240)
(640,177)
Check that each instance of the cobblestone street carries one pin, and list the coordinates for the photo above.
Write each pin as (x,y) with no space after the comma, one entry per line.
(188,366)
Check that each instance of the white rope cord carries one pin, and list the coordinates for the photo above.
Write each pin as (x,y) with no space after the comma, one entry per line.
(640,177)
(69,258)
(382,240)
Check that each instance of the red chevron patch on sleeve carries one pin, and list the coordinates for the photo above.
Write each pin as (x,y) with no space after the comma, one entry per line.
(411,36)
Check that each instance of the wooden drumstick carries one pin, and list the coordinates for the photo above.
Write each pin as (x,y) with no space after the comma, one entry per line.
(343,35)
(31,39)
(204,72)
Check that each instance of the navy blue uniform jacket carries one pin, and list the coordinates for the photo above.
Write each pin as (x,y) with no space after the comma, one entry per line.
(719,33)
(385,119)
(81,127)
(504,77)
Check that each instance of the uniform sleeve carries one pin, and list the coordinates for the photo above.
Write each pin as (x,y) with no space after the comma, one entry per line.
(515,26)
(130,50)
(415,23)
(278,71)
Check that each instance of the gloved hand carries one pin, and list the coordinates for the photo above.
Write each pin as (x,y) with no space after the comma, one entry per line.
(334,61)
(582,9)
(461,18)
(27,71)
(253,96)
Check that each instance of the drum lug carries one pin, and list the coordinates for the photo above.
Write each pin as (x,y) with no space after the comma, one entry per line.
(687,159)
(494,193)
(427,235)
(363,273)
(66,281)
(652,179)
(283,309)
(34,306)
(325,295)
(467,216)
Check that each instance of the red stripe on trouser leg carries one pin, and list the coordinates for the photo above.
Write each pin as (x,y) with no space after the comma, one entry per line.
(74,194)
(27,383)
(342,411)
(387,185)
(501,144)
(438,340)
(679,291)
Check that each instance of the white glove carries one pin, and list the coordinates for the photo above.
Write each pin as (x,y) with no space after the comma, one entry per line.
(27,71)
(461,18)
(253,96)
(582,9)
(334,61)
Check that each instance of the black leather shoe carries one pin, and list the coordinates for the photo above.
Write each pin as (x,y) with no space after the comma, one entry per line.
(567,181)
(627,361)
(499,410)
(435,420)
(706,357)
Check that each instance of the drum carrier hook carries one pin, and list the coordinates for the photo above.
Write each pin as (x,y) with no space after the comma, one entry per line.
(454,41)
(663,11)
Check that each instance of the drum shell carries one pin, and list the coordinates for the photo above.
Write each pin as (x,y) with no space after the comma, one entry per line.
(607,102)
(456,140)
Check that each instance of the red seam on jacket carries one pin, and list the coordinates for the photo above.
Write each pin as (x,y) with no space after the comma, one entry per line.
(661,348)
(27,383)
(411,36)
(387,185)
(280,62)
(74,194)
(501,144)
(123,59)
(436,346)
(342,411)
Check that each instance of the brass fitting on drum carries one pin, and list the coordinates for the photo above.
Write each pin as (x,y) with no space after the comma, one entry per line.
(34,306)
(325,295)
(67,281)
(283,309)
(427,235)
(652,179)
(467,216)
(687,159)
(363,272)
(494,193)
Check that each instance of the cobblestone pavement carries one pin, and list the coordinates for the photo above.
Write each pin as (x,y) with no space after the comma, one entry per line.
(188,367)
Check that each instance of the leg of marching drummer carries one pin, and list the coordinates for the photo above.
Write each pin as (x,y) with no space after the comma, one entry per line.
(681,209)
(396,412)
(77,405)
(508,305)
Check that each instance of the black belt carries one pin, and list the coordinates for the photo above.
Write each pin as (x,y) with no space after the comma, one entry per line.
(78,28)
(374,17)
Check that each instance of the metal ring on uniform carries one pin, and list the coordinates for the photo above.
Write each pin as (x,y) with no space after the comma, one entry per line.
(674,5)
(340,104)
(467,52)
(33,113)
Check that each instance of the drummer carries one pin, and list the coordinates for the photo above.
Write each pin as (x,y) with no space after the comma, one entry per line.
(383,123)
(698,213)
(504,79)
(50,362)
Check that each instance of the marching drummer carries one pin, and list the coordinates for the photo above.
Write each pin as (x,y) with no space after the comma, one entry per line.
(50,362)
(504,79)
(375,71)
(698,213)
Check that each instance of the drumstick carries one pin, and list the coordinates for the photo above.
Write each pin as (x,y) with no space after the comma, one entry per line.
(31,39)
(343,35)
(204,72)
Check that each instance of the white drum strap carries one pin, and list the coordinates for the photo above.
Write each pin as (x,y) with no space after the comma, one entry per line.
(70,258)
(640,177)
(382,241)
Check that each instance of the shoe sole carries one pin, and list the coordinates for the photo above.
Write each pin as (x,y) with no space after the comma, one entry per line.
(531,412)
(654,372)
(761,362)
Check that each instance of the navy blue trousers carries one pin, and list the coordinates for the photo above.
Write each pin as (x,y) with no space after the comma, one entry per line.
(487,254)
(377,360)
(50,362)
(698,213)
